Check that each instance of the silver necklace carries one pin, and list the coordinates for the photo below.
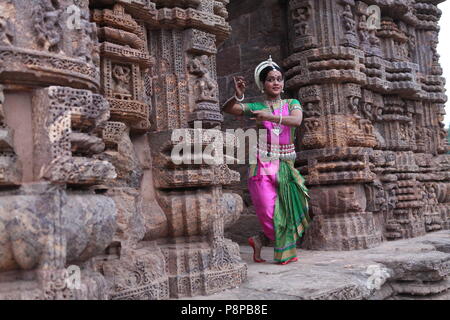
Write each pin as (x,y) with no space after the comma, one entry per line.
(278,129)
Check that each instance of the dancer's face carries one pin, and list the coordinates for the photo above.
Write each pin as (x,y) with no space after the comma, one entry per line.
(274,84)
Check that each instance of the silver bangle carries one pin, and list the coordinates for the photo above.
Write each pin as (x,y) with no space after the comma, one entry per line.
(281,119)
(239,100)
(226,102)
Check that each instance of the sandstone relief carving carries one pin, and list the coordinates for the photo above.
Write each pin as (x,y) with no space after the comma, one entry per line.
(83,145)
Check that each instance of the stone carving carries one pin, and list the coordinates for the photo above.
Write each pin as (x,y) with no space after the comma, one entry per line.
(6,33)
(48,227)
(90,147)
(200,42)
(73,228)
(139,275)
(302,15)
(216,261)
(47,19)
(88,42)
(122,79)
(206,87)
(368,38)
(41,47)
(158,73)
(124,60)
(349,24)
(2,101)
(349,21)
(29,64)
(60,110)
(10,173)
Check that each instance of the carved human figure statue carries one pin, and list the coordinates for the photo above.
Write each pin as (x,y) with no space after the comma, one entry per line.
(301,16)
(87,49)
(6,35)
(349,20)
(47,25)
(368,110)
(122,77)
(311,125)
(354,106)
(363,30)
(205,84)
(310,111)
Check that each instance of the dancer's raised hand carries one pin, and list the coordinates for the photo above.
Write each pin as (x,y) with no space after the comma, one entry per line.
(239,86)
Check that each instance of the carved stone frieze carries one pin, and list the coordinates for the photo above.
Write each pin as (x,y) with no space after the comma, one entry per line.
(46,45)
(60,111)
(125,59)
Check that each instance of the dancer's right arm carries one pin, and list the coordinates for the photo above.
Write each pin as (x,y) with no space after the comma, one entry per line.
(232,106)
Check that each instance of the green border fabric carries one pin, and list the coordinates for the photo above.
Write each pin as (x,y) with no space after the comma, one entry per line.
(291,217)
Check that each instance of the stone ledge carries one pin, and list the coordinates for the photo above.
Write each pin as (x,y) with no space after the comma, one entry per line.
(334,275)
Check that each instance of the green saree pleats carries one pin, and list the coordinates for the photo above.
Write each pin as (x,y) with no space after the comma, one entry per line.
(291,217)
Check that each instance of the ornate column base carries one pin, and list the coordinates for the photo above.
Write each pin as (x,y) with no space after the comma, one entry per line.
(349,231)
(195,268)
(136,273)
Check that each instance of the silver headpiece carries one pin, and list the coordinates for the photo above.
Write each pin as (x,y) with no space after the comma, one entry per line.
(260,68)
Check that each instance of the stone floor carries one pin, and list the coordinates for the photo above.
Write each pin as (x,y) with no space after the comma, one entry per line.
(416,269)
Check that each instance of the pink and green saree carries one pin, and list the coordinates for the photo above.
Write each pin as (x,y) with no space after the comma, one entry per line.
(277,189)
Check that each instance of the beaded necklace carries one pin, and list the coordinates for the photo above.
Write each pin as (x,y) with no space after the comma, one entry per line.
(278,129)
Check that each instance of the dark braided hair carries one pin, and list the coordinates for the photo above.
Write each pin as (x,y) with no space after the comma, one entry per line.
(265,72)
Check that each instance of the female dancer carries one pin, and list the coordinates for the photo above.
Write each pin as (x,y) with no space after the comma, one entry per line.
(277,189)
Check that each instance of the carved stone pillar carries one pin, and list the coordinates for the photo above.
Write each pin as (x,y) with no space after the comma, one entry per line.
(159,75)
(199,259)
(372,106)
(338,136)
(50,140)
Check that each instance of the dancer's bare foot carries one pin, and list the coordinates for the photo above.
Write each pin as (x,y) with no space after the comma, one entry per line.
(295,259)
(256,244)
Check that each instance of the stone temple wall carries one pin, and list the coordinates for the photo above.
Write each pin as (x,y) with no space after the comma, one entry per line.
(372,145)
(91,96)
